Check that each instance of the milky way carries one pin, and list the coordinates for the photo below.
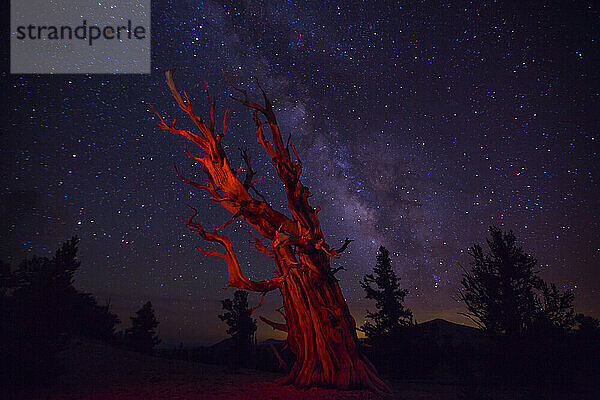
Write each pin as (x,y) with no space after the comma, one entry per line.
(419,126)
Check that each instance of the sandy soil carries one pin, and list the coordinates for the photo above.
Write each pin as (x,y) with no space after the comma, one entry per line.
(97,372)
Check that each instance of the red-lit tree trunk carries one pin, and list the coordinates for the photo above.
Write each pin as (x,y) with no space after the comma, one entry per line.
(321,331)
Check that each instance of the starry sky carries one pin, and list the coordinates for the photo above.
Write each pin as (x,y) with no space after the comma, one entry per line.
(419,125)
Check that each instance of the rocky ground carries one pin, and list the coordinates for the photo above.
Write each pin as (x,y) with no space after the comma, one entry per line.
(95,371)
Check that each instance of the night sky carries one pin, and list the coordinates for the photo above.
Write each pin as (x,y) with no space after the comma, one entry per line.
(419,126)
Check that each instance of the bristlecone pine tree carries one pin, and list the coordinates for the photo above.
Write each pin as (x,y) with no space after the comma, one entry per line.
(383,286)
(321,331)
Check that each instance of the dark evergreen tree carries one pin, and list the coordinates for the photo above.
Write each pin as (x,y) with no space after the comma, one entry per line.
(585,349)
(36,315)
(49,283)
(93,320)
(587,325)
(242,327)
(40,310)
(554,308)
(65,263)
(142,335)
(238,317)
(383,286)
(499,289)
(532,322)
(505,295)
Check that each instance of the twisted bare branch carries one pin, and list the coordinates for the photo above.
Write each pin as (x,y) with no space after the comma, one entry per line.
(237,278)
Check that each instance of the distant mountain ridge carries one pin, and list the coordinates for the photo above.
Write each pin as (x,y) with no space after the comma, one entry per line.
(439,330)
(444,332)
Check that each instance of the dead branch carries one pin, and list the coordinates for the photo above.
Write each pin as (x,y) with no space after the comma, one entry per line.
(275,325)
(214,161)
(237,278)
(258,244)
(252,309)
(344,246)
(282,364)
(289,171)
(336,270)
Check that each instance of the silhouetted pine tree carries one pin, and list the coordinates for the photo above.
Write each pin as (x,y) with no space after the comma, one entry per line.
(93,320)
(588,326)
(554,308)
(383,286)
(241,326)
(586,347)
(238,317)
(531,321)
(40,309)
(65,263)
(505,295)
(499,289)
(36,315)
(142,335)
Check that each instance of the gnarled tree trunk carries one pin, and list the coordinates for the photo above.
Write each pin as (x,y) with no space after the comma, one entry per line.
(322,335)
(321,331)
